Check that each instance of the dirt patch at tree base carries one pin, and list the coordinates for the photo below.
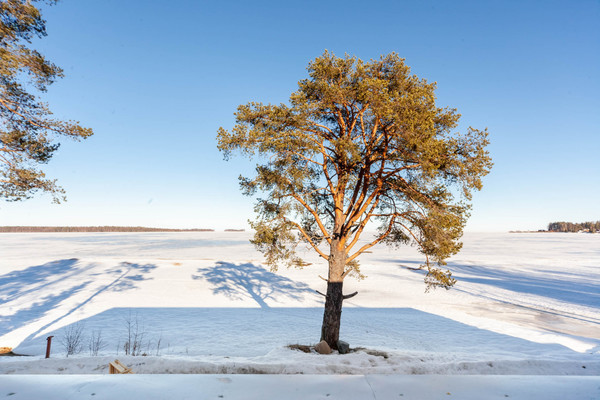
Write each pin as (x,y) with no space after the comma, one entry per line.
(311,349)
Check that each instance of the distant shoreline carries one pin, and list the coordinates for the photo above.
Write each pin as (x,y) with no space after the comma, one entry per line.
(542,231)
(97,229)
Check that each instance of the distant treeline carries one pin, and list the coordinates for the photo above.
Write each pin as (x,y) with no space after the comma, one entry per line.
(10,229)
(574,227)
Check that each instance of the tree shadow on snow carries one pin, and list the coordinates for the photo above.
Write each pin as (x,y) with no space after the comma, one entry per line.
(556,285)
(552,286)
(45,294)
(249,280)
(37,309)
(18,283)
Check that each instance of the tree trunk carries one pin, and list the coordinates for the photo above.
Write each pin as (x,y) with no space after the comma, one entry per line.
(330,331)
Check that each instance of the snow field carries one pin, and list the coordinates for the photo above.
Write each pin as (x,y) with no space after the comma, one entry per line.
(524,304)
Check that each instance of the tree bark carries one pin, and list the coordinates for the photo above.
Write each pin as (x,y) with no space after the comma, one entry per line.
(330,331)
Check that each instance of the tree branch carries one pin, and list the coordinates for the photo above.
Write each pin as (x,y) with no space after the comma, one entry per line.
(349,296)
(313,245)
(314,214)
(373,243)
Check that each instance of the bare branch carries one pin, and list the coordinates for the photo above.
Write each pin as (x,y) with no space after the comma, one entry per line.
(349,296)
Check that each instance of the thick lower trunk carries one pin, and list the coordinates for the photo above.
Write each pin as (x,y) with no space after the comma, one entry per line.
(330,331)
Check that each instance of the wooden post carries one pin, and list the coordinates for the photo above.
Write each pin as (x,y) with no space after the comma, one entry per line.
(49,340)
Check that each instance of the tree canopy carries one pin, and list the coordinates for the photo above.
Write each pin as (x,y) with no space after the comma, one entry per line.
(359,142)
(27,129)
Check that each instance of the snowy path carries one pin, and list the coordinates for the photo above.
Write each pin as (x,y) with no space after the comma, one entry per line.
(298,387)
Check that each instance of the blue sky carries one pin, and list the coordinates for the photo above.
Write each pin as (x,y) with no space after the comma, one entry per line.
(155,80)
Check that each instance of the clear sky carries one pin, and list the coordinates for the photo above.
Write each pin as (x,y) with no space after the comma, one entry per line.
(156,79)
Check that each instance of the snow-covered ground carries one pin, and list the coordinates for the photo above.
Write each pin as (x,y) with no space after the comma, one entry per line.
(203,302)
(299,387)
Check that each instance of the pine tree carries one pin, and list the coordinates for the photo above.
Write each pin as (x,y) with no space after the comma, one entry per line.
(27,130)
(359,143)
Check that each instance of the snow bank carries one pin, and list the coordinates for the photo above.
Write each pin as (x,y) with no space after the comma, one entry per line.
(293,387)
(285,361)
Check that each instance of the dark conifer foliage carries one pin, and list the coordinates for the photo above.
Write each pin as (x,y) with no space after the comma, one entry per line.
(27,130)
(574,227)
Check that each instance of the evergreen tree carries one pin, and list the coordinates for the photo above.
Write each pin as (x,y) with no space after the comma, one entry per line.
(27,130)
(359,143)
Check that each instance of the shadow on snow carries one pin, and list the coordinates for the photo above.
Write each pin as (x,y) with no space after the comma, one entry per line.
(560,288)
(49,290)
(249,280)
(249,332)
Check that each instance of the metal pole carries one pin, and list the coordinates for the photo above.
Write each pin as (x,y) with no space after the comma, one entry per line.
(49,339)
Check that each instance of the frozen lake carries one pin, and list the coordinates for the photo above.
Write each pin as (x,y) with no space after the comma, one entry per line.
(205,302)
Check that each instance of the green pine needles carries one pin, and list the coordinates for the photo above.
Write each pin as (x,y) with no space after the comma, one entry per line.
(27,130)
(360,145)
